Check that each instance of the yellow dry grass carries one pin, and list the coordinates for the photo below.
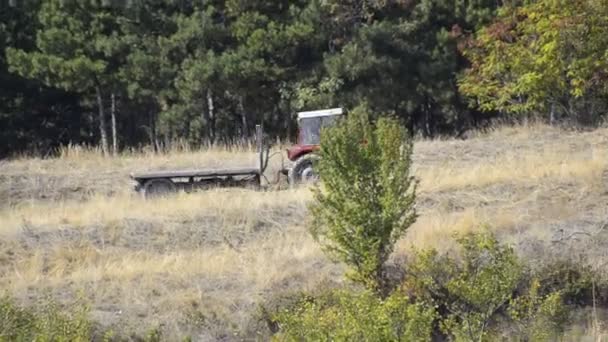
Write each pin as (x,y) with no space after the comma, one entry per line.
(262,265)
(76,159)
(230,206)
(72,223)
(525,168)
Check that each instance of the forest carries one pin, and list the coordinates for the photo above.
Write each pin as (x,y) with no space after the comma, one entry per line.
(126,74)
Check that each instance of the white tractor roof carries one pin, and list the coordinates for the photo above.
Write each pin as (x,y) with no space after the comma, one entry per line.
(319,113)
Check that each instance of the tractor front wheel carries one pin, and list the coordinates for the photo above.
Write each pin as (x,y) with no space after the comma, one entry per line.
(303,171)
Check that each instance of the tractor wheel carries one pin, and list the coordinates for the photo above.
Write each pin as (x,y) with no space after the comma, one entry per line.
(158,188)
(303,171)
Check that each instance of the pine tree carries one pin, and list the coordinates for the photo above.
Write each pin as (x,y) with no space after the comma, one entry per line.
(74,50)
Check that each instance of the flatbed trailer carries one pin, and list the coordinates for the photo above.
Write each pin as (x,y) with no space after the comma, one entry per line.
(158,183)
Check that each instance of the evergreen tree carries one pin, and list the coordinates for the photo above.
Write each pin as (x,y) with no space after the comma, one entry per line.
(163,70)
(74,48)
(33,117)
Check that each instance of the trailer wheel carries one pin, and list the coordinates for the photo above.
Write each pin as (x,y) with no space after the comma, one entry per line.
(303,171)
(158,188)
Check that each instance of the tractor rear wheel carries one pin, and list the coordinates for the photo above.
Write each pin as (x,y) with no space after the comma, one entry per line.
(303,171)
(158,188)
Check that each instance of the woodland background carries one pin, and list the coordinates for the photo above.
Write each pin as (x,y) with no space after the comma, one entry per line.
(123,74)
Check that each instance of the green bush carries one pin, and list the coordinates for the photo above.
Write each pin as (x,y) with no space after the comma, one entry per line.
(366,199)
(537,317)
(482,289)
(575,280)
(44,323)
(481,293)
(347,316)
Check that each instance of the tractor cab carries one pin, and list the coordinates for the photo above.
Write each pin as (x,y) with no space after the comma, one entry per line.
(311,123)
(309,138)
(309,131)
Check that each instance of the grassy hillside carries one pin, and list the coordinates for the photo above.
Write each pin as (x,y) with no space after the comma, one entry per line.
(201,263)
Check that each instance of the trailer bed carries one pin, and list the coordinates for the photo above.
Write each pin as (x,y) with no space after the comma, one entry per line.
(200,173)
(158,183)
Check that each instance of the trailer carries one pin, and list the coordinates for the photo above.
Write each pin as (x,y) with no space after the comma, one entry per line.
(159,183)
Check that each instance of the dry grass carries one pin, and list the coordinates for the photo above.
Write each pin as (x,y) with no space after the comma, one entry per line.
(229,249)
(80,173)
(72,224)
(230,206)
(526,168)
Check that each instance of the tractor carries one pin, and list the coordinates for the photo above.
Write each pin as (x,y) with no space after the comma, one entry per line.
(302,154)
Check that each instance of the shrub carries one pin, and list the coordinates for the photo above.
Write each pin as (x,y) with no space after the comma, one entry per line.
(537,317)
(574,279)
(366,199)
(347,316)
(482,288)
(45,323)
(481,294)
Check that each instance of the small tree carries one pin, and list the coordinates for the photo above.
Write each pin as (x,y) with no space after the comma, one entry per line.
(366,199)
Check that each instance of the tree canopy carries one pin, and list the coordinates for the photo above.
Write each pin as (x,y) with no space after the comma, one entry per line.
(128,73)
(547,57)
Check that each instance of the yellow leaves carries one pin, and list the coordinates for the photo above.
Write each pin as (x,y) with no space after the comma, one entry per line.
(549,47)
(578,87)
(558,48)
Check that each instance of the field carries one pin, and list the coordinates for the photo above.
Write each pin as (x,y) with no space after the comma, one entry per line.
(202,263)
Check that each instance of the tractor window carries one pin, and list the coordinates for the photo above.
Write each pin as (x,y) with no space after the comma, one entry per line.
(310,131)
(310,128)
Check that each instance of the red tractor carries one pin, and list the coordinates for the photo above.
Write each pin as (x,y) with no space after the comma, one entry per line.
(309,136)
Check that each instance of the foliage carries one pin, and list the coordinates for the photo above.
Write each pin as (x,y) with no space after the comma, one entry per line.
(401,57)
(209,71)
(578,283)
(366,200)
(33,117)
(473,293)
(538,317)
(481,294)
(546,57)
(45,323)
(346,316)
(75,50)
(470,292)
(205,72)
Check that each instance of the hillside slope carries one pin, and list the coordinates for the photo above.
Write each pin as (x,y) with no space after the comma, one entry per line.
(201,263)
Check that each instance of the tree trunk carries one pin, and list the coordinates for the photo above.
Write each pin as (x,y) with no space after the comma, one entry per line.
(102,121)
(150,129)
(114,132)
(427,119)
(209,117)
(211,105)
(244,123)
(204,130)
(288,123)
(152,125)
(552,115)
(155,134)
